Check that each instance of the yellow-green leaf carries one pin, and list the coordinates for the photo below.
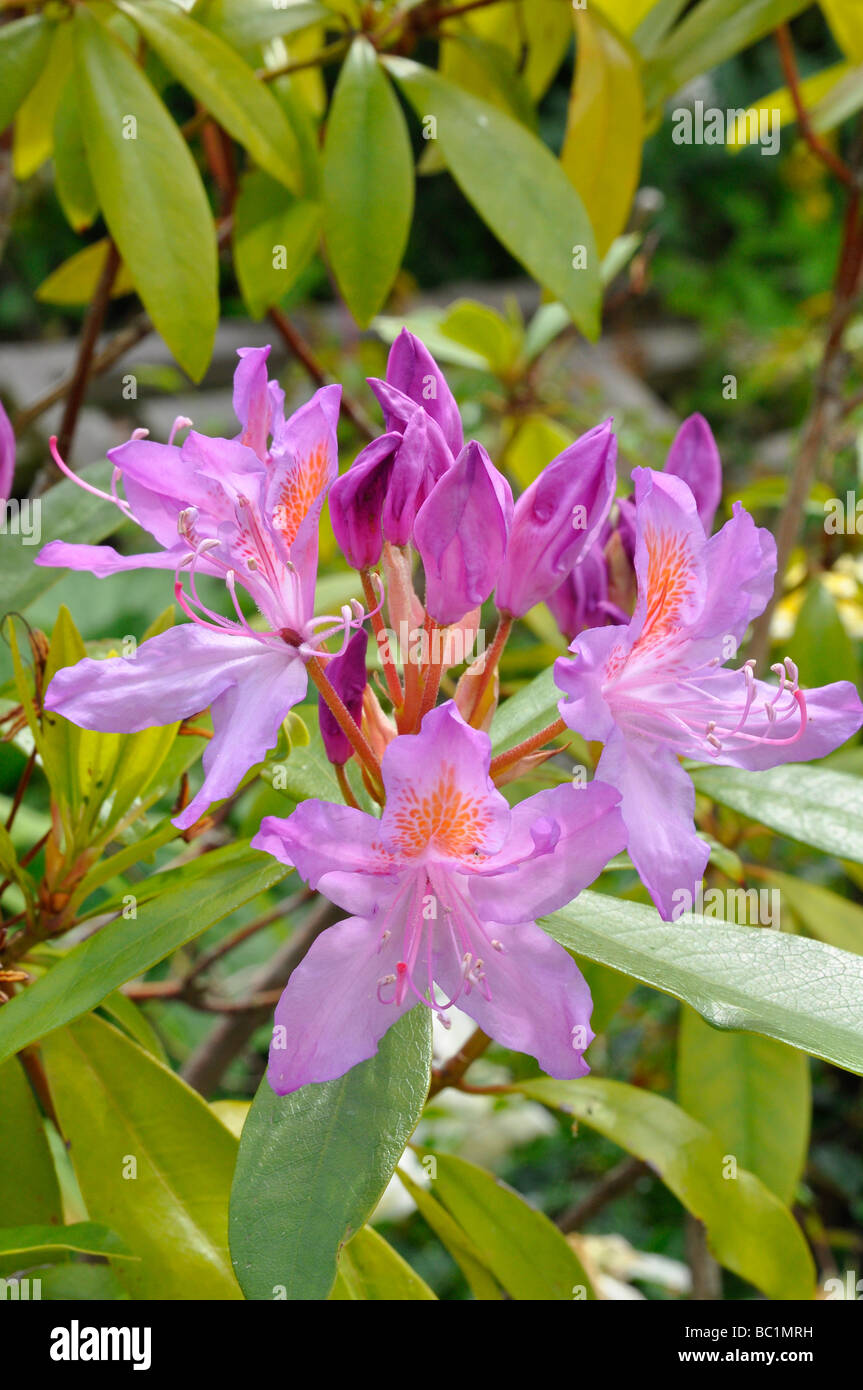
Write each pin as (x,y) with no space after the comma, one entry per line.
(275,237)
(605,127)
(24,46)
(224,84)
(153,1162)
(72,181)
(369,1269)
(34,124)
(753,1093)
(748,1228)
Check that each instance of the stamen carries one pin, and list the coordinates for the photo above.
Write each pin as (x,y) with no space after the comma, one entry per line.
(73,477)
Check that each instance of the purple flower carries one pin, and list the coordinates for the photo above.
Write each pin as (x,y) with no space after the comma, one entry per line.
(556,521)
(247,514)
(445,888)
(7,456)
(379,496)
(656,690)
(461,534)
(415,379)
(602,592)
(347,675)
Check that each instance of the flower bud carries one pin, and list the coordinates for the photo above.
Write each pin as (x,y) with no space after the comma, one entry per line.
(556,521)
(7,456)
(694,457)
(347,675)
(461,533)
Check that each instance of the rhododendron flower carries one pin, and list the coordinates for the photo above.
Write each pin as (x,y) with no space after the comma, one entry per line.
(461,534)
(556,521)
(379,496)
(245,512)
(656,690)
(599,589)
(7,456)
(445,888)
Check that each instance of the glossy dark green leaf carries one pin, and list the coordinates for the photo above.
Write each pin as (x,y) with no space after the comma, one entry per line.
(313,1165)
(822,648)
(752,978)
(368,183)
(748,1228)
(153,1162)
(125,948)
(808,803)
(150,192)
(275,237)
(753,1093)
(523,1249)
(223,83)
(24,46)
(516,186)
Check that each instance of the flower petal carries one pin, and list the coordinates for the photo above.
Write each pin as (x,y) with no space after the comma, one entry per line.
(103,560)
(439,793)
(337,850)
(694,457)
(658,805)
(539,1000)
(330,1017)
(413,372)
(561,840)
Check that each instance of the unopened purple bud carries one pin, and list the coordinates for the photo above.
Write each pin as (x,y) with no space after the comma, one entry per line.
(422,457)
(347,675)
(414,374)
(461,532)
(357,501)
(694,457)
(557,519)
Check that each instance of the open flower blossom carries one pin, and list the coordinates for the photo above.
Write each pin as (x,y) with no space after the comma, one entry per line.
(245,511)
(655,690)
(378,498)
(600,587)
(445,888)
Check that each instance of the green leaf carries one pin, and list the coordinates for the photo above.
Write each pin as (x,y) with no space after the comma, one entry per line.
(29,1191)
(134,1021)
(370,1269)
(798,991)
(748,1229)
(84,1238)
(33,136)
(368,183)
(67,513)
(275,237)
(534,210)
(150,192)
(125,948)
(72,181)
(530,709)
(711,32)
(810,804)
(605,127)
(753,1093)
(76,280)
(450,1234)
(523,1249)
(313,1165)
(823,914)
(224,84)
(24,46)
(117,1106)
(823,650)
(61,740)
(244,23)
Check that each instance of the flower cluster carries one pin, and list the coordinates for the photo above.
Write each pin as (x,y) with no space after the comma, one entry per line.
(443,877)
